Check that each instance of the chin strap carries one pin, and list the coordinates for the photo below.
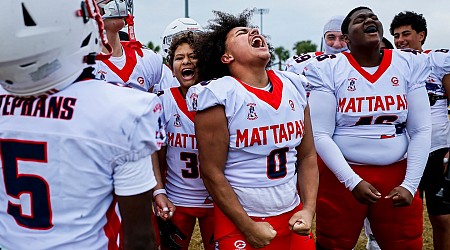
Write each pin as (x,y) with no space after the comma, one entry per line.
(133,43)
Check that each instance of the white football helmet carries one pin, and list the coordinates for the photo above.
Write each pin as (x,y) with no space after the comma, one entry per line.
(115,8)
(46,50)
(177,26)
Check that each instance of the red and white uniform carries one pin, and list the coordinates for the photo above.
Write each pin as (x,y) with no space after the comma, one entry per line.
(184,185)
(369,105)
(357,115)
(185,188)
(140,69)
(167,80)
(297,64)
(64,156)
(440,66)
(265,127)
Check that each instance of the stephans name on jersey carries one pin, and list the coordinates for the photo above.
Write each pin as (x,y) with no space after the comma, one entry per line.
(55,107)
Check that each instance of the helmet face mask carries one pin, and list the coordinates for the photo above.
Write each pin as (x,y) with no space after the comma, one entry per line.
(115,8)
(176,27)
(47,50)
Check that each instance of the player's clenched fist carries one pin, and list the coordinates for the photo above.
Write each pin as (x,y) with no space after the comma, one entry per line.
(261,234)
(301,222)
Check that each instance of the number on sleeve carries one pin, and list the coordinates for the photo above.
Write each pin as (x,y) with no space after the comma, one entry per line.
(12,152)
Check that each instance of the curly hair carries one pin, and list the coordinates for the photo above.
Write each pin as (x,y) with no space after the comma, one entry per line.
(188,37)
(417,22)
(211,45)
(346,22)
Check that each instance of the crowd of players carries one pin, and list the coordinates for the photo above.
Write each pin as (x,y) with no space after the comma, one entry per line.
(102,145)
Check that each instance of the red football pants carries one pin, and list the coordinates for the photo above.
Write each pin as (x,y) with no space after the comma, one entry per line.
(340,216)
(230,238)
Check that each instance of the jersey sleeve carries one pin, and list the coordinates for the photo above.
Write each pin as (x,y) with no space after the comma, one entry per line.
(297,63)
(211,93)
(299,81)
(318,75)
(134,177)
(148,133)
(440,62)
(153,64)
(419,68)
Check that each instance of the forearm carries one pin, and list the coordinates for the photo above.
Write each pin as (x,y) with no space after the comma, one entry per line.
(308,182)
(137,226)
(157,171)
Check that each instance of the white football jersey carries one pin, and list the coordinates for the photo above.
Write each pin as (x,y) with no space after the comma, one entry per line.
(265,127)
(184,185)
(369,105)
(167,80)
(131,69)
(62,159)
(440,66)
(297,63)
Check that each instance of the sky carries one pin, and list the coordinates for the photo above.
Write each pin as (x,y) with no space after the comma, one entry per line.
(290,21)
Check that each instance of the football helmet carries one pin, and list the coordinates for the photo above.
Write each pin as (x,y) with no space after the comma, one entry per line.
(115,8)
(47,50)
(175,27)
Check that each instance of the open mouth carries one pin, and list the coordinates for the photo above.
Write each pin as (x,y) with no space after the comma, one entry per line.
(257,42)
(371,29)
(187,73)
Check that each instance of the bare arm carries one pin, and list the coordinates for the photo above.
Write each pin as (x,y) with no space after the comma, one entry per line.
(136,212)
(308,180)
(213,138)
(164,207)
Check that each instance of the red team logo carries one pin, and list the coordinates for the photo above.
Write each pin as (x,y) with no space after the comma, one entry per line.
(251,111)
(291,103)
(394,81)
(141,81)
(351,85)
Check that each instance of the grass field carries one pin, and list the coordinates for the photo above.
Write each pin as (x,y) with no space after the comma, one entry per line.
(196,241)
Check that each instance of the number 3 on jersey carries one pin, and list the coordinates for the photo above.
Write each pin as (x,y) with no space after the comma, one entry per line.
(191,171)
(19,184)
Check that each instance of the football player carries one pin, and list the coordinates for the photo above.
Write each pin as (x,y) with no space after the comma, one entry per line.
(70,146)
(184,186)
(363,105)
(332,42)
(254,139)
(176,27)
(130,65)
(410,31)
